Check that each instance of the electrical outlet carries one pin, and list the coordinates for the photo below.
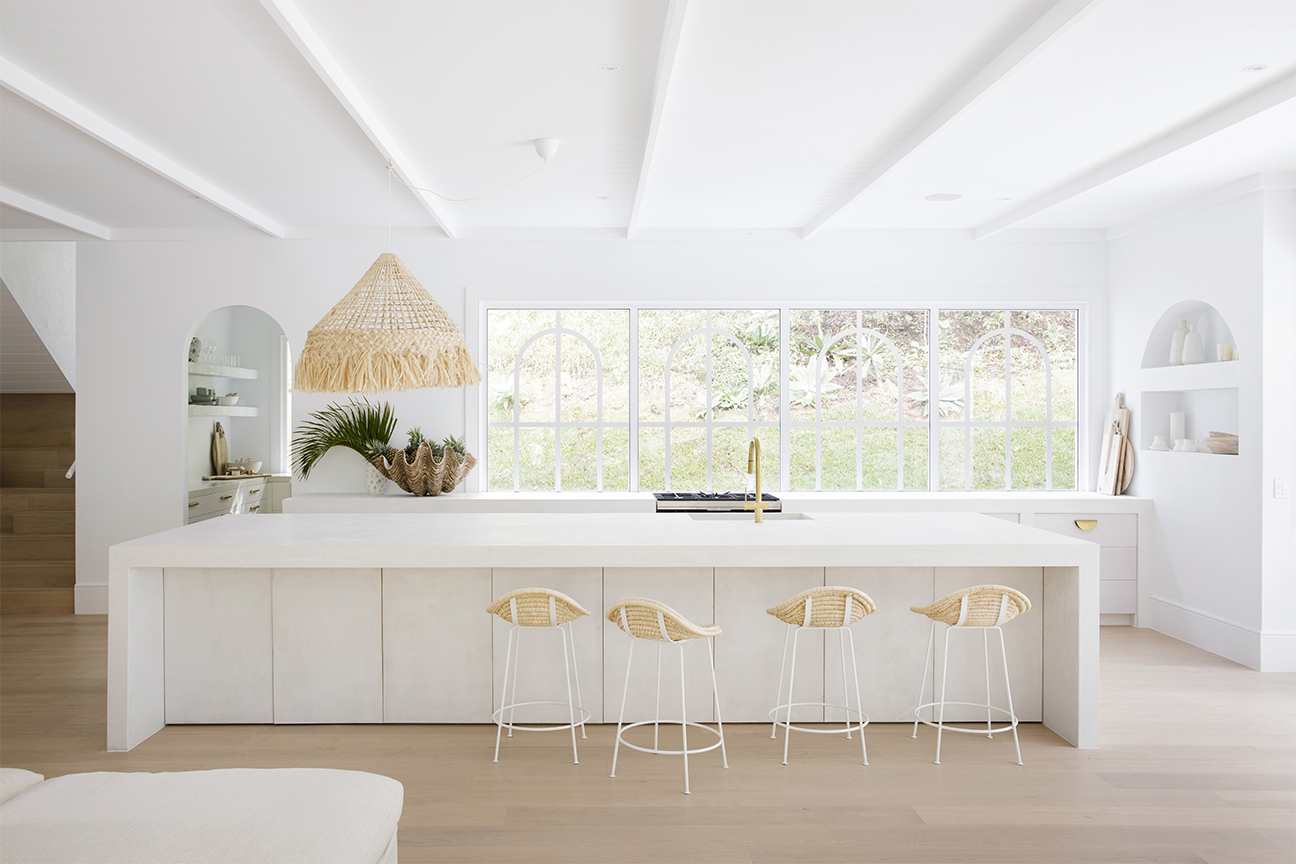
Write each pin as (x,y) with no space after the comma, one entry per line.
(1280,487)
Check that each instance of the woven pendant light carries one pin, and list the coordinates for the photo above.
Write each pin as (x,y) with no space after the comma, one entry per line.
(387,334)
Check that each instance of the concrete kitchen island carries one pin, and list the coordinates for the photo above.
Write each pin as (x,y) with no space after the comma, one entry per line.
(373,618)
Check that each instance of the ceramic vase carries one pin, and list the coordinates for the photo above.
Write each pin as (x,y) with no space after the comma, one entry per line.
(1193,350)
(374,480)
(1177,343)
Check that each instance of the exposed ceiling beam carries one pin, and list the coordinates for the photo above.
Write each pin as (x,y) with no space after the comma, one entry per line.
(1262,100)
(1059,18)
(40,94)
(50,213)
(298,29)
(661,86)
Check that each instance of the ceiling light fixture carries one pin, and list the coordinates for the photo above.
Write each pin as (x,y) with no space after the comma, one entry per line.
(1258,67)
(943,196)
(608,67)
(602,197)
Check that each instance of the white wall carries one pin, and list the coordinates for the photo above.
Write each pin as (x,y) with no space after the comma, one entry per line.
(42,279)
(139,303)
(1207,584)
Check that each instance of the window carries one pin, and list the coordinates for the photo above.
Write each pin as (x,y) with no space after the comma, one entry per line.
(857,399)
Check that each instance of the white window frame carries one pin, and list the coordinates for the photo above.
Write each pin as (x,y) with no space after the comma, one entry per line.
(480,410)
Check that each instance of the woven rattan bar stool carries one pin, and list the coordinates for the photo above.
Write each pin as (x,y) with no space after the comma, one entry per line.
(828,608)
(984,608)
(656,622)
(538,607)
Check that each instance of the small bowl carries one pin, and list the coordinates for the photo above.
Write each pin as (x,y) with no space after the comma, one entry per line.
(228,400)
(252,467)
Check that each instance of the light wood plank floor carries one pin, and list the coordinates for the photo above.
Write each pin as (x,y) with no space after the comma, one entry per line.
(1198,764)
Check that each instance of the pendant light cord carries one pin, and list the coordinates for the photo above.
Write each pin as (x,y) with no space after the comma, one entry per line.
(389,176)
(475,197)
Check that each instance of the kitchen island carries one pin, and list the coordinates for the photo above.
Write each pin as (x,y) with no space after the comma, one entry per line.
(373,618)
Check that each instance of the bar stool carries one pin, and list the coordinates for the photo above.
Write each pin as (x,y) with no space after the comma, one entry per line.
(656,622)
(984,608)
(831,607)
(538,607)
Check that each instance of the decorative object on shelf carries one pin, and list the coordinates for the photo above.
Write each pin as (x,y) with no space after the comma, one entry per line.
(431,469)
(360,426)
(1116,469)
(195,349)
(1159,443)
(1224,352)
(1193,350)
(203,396)
(1178,425)
(1177,343)
(1185,445)
(244,466)
(229,399)
(386,334)
(1220,443)
(220,450)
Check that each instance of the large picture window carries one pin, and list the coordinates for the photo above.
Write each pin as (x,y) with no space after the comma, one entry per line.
(842,399)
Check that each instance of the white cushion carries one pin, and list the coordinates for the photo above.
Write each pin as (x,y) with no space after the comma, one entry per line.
(228,815)
(15,781)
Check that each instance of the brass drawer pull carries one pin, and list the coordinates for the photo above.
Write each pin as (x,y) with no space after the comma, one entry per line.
(1086,524)
(226,497)
(255,507)
(254,491)
(193,503)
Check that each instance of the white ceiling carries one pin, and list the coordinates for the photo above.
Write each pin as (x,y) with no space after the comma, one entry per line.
(771,117)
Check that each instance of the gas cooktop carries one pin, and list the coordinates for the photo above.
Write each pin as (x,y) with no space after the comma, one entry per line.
(703,502)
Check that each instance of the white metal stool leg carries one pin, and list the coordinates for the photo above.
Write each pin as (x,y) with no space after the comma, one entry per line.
(931,638)
(940,724)
(778,696)
(657,710)
(985,644)
(683,718)
(576,671)
(517,652)
(571,707)
(724,758)
(859,705)
(787,729)
(621,722)
(499,725)
(841,644)
(1012,713)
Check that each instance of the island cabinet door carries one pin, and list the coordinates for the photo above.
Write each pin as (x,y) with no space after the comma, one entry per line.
(216,636)
(328,646)
(749,654)
(539,663)
(687,590)
(436,645)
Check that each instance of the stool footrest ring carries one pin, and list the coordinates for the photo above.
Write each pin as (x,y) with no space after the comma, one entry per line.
(861,720)
(981,731)
(627,727)
(497,716)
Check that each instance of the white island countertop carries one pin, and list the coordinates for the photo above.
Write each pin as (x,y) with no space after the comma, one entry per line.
(602,539)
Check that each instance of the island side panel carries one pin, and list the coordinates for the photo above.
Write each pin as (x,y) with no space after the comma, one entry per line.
(136,680)
(219,667)
(540,663)
(1071,654)
(890,644)
(436,639)
(328,645)
(749,653)
(687,590)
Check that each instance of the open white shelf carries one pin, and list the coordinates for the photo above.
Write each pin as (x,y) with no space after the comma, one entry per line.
(1197,376)
(221,411)
(210,370)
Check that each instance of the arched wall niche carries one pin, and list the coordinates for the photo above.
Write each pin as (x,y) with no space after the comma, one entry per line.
(258,426)
(1212,326)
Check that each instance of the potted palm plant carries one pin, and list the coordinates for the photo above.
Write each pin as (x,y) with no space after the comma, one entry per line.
(360,426)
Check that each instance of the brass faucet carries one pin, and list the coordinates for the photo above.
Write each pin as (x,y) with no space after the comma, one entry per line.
(754,467)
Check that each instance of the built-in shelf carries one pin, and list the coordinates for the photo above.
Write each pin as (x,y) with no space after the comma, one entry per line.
(1196,376)
(210,370)
(221,411)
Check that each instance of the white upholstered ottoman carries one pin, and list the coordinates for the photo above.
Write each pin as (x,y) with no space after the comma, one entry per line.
(228,815)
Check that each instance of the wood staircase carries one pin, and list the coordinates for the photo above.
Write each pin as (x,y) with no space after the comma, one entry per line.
(37,503)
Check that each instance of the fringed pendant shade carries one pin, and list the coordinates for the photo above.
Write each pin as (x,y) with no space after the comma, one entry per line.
(387,334)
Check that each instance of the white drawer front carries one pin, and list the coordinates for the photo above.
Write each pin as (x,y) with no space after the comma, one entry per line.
(1113,529)
(1118,563)
(1118,598)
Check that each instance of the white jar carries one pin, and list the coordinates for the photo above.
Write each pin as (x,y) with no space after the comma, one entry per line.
(1177,343)
(1193,350)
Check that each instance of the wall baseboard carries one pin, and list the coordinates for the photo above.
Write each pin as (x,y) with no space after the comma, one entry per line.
(1278,652)
(1111,620)
(92,599)
(1208,632)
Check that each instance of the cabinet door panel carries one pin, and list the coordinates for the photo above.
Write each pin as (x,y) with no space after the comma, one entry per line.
(328,646)
(217,636)
(436,645)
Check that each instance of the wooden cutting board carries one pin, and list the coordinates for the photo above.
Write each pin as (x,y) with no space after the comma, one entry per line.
(220,450)
(1117,456)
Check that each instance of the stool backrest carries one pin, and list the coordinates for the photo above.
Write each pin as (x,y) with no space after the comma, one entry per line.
(537,607)
(648,619)
(826,606)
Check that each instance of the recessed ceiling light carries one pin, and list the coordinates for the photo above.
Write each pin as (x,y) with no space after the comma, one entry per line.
(608,67)
(602,197)
(1005,198)
(199,197)
(1258,67)
(943,196)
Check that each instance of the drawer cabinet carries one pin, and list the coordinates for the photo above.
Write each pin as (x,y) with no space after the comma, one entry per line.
(1117,534)
(216,499)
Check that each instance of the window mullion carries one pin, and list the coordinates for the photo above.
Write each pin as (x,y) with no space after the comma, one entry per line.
(785,403)
(1008,399)
(632,429)
(558,401)
(933,410)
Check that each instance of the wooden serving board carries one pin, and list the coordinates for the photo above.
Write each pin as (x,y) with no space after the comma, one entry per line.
(1116,468)
(220,449)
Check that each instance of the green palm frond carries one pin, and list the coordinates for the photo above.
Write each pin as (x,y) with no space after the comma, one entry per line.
(360,426)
